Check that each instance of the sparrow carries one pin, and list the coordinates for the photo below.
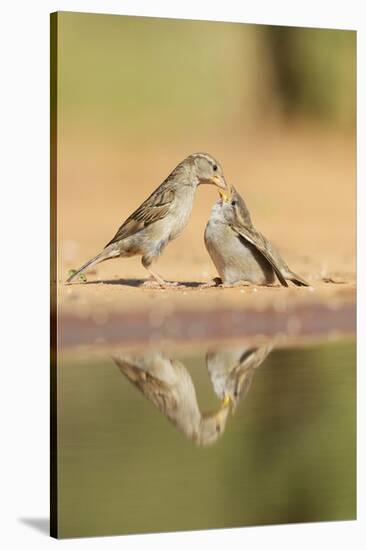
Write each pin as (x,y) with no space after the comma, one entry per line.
(240,253)
(232,370)
(162,216)
(168,385)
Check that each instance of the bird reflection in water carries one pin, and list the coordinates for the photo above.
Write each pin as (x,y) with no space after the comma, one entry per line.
(231,371)
(168,385)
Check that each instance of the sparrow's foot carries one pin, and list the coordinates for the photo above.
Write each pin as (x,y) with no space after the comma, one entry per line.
(153,283)
(235,285)
(213,283)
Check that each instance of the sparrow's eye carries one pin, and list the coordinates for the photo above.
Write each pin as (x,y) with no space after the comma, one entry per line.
(214,168)
(234,202)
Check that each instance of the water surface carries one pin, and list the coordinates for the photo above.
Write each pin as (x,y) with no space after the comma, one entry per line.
(134,459)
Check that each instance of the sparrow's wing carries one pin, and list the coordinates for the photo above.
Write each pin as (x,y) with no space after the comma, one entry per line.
(154,208)
(250,234)
(254,357)
(156,390)
(243,372)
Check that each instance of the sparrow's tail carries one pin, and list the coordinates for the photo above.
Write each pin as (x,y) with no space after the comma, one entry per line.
(296,279)
(109,252)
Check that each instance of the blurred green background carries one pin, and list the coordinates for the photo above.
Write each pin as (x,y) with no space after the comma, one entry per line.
(165,75)
(287,455)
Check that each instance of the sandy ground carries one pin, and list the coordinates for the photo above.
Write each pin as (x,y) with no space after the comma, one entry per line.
(299,185)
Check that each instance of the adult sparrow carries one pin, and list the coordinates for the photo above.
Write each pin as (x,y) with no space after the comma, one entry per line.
(168,385)
(162,216)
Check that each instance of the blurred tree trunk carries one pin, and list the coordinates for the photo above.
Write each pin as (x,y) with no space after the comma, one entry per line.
(286,75)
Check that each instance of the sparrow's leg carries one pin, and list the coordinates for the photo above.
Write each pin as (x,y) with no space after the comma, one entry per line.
(155,280)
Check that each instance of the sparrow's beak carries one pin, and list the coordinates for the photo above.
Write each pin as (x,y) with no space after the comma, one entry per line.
(219,181)
(223,188)
(221,415)
(225,193)
(226,402)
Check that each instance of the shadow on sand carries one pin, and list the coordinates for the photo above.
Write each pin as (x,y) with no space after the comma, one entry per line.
(137,283)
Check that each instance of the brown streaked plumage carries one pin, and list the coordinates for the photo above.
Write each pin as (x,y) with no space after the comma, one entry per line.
(163,215)
(168,385)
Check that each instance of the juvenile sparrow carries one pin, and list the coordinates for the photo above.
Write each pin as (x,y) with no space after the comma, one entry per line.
(232,370)
(162,216)
(239,252)
(168,385)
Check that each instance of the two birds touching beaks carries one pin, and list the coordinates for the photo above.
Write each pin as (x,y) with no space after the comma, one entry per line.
(240,253)
(167,383)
